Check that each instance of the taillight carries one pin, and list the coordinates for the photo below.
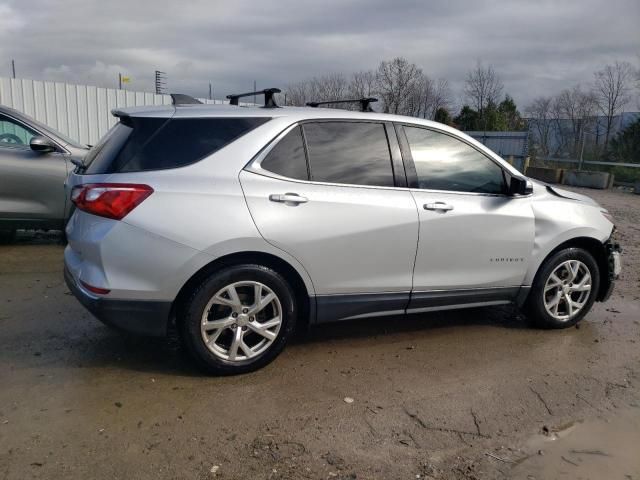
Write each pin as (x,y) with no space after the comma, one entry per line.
(110,200)
(92,289)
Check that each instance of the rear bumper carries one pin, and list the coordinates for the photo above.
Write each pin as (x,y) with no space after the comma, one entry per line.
(140,317)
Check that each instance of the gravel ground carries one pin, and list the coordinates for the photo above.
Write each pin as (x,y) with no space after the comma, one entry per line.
(458,395)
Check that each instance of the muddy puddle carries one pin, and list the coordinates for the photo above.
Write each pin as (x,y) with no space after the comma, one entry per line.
(595,449)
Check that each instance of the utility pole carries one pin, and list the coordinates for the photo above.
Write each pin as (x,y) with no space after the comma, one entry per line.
(210,91)
(254,89)
(161,81)
(119,81)
(13,68)
(581,151)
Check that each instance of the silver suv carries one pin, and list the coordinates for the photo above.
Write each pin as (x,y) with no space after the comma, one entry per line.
(238,224)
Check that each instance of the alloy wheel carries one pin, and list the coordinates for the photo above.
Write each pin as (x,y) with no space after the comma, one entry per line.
(241,321)
(567,290)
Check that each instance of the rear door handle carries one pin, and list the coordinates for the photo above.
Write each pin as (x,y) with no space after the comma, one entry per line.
(445,207)
(288,198)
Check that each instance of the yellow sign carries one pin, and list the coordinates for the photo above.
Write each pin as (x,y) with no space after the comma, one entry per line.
(126,79)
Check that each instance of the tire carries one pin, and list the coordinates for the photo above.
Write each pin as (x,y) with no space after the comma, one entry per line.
(548,304)
(243,336)
(7,236)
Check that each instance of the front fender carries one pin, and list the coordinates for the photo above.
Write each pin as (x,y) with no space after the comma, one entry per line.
(558,222)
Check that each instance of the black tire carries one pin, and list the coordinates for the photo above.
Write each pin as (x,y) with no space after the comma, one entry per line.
(7,236)
(190,315)
(535,305)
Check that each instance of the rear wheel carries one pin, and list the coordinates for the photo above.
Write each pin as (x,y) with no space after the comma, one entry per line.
(238,320)
(564,289)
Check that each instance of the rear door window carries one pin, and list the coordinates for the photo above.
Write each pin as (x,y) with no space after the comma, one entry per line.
(138,144)
(287,158)
(349,152)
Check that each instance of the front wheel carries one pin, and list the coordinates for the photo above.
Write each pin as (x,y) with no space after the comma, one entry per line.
(238,320)
(564,289)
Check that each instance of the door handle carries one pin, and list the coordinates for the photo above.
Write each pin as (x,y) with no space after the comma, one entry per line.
(288,198)
(445,207)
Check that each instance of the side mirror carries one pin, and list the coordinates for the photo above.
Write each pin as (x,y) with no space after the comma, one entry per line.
(520,186)
(42,145)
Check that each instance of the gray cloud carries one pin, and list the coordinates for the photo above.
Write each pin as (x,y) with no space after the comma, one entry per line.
(538,47)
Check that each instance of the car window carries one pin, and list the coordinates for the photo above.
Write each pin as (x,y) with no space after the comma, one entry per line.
(349,152)
(445,163)
(287,158)
(14,134)
(138,144)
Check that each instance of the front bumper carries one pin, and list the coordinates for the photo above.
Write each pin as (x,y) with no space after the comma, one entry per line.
(614,266)
(134,316)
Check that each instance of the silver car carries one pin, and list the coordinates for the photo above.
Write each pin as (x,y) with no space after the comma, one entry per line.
(238,225)
(34,163)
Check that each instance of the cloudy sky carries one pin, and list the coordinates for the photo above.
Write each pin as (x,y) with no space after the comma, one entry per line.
(537,47)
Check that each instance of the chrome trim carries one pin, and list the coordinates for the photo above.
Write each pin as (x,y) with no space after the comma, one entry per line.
(375,314)
(255,166)
(458,306)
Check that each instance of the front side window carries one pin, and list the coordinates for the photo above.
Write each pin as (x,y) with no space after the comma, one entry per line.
(349,152)
(14,134)
(445,163)
(287,158)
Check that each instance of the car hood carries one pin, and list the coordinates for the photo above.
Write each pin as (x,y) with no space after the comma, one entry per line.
(560,192)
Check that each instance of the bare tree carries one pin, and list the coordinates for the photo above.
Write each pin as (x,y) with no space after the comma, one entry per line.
(363,84)
(540,114)
(297,94)
(612,91)
(483,86)
(397,83)
(442,97)
(574,111)
(329,87)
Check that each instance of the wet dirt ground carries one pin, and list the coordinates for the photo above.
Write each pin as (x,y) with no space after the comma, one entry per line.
(472,394)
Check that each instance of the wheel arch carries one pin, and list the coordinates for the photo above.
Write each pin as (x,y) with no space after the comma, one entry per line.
(592,245)
(304,298)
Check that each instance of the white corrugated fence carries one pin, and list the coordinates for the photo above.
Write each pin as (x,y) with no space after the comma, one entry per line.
(82,112)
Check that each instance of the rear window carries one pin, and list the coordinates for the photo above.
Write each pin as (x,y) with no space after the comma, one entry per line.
(349,152)
(138,144)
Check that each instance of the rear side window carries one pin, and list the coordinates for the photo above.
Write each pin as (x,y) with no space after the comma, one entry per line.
(349,152)
(139,144)
(287,158)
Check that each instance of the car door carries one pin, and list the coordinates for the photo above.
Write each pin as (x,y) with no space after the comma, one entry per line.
(31,183)
(339,213)
(475,240)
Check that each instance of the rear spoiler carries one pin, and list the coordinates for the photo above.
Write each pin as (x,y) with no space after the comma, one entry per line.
(177,99)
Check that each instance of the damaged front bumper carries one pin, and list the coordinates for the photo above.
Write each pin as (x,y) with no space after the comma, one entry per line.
(614,267)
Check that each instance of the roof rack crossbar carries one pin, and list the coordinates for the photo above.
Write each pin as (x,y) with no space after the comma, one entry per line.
(365,103)
(182,99)
(268,93)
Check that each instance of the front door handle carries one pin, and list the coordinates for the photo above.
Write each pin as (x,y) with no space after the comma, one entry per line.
(445,207)
(288,198)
